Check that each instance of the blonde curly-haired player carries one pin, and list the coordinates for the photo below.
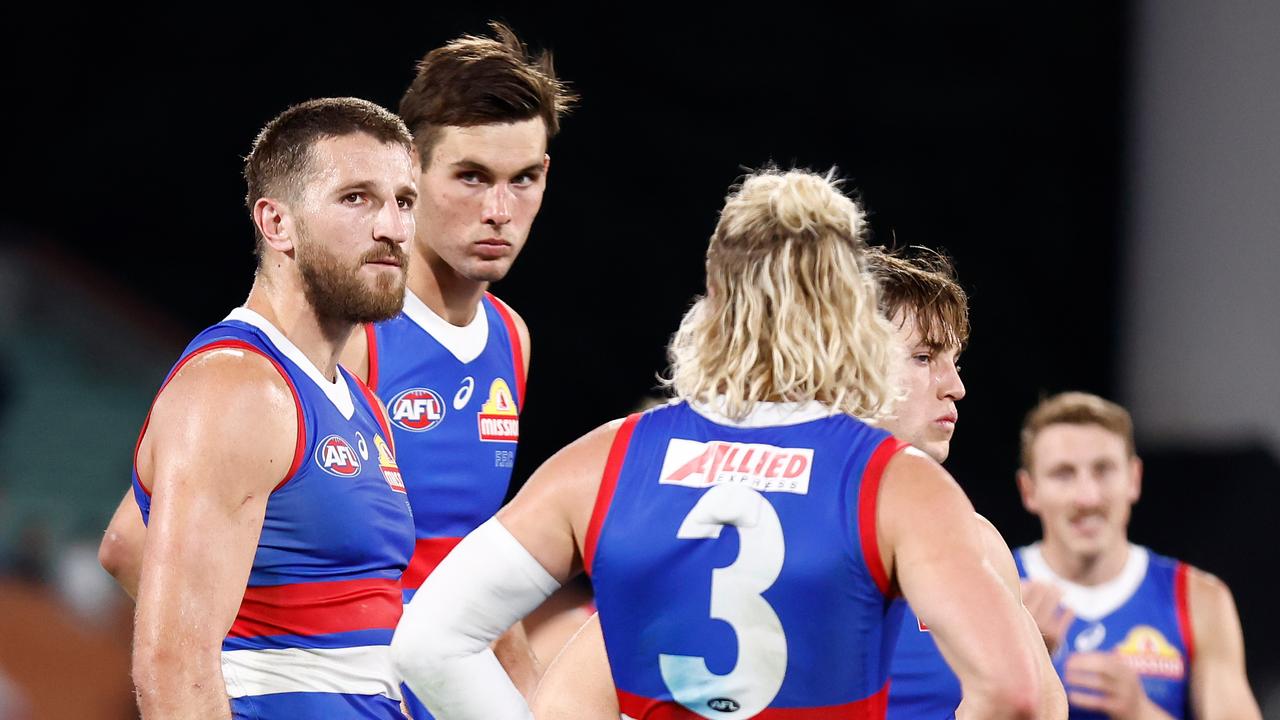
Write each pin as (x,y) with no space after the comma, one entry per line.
(743,541)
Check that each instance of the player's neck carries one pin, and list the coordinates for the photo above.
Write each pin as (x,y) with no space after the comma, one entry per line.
(320,340)
(1085,569)
(448,294)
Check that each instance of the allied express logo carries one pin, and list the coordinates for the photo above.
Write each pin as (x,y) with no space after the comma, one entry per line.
(499,419)
(765,468)
(1147,651)
(335,456)
(417,409)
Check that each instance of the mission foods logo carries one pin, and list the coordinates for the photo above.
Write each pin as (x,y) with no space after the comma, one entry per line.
(1147,651)
(765,468)
(336,457)
(416,410)
(387,464)
(498,418)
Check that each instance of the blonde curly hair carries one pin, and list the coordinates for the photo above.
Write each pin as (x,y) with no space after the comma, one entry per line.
(791,311)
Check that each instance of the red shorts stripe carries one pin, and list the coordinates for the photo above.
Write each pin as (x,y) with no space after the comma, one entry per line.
(1184,610)
(319,608)
(427,554)
(870,708)
(868,492)
(604,496)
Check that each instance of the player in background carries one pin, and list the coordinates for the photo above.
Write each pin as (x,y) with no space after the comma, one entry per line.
(452,366)
(1134,634)
(929,311)
(831,516)
(278,521)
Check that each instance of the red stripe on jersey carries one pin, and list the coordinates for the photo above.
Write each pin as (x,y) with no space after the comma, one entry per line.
(517,352)
(1184,610)
(427,554)
(868,492)
(379,412)
(604,496)
(870,708)
(300,444)
(371,341)
(318,608)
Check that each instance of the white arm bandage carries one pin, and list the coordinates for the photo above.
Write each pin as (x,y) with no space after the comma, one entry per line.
(441,646)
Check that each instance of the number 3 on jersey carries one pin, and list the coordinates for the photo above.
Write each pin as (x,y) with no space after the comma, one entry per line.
(736,599)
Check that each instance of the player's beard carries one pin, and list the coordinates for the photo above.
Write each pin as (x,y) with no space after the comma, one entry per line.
(336,292)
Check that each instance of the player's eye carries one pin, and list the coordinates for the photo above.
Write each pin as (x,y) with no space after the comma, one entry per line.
(405,203)
(471,177)
(353,198)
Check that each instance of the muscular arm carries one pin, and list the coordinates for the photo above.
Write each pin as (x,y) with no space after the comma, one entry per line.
(221,437)
(1219,687)
(494,577)
(121,550)
(1053,698)
(932,547)
(579,684)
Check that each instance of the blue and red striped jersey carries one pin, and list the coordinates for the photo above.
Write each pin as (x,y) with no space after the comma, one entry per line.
(1141,615)
(323,597)
(454,396)
(736,566)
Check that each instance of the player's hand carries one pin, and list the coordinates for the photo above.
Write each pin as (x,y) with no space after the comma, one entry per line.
(1044,602)
(1102,681)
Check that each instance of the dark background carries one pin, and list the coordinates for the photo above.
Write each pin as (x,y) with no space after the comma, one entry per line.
(993,132)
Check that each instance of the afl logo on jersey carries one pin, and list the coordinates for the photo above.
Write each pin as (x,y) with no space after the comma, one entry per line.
(416,410)
(335,456)
(725,705)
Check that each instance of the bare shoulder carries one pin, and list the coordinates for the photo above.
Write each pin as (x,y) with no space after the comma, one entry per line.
(581,463)
(1209,600)
(224,409)
(912,476)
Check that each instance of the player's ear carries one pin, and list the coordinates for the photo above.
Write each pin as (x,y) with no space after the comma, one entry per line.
(1027,489)
(546,164)
(1135,478)
(274,221)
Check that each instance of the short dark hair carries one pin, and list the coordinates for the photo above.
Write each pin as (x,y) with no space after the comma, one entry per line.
(478,81)
(922,281)
(282,153)
(1075,408)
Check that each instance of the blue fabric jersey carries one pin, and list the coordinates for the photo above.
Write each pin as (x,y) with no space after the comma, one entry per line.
(453,395)
(323,597)
(1141,615)
(922,685)
(736,568)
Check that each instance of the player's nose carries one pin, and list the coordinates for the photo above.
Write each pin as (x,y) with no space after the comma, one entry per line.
(393,225)
(497,204)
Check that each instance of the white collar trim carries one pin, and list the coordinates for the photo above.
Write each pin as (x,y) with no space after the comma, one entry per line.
(337,391)
(1091,602)
(465,342)
(764,414)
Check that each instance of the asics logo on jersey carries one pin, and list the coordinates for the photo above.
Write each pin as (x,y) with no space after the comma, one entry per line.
(765,468)
(463,396)
(335,456)
(417,409)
